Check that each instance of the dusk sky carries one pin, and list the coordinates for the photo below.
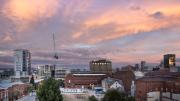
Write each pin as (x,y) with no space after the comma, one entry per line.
(124,31)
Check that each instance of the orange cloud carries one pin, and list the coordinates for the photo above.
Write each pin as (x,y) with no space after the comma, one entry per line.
(131,22)
(27,11)
(76,35)
(7,38)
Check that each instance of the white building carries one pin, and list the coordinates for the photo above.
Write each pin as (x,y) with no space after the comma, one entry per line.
(133,88)
(138,74)
(45,70)
(22,61)
(73,90)
(111,83)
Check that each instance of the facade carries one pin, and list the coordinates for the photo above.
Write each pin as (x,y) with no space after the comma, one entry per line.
(127,76)
(5,73)
(136,66)
(158,83)
(111,83)
(46,70)
(22,61)
(61,73)
(169,60)
(143,65)
(13,91)
(101,66)
(83,80)
(24,79)
(91,80)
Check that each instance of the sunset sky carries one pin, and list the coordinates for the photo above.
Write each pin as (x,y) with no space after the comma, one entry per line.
(124,31)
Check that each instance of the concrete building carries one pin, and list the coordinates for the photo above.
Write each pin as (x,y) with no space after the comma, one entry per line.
(169,60)
(46,70)
(60,73)
(101,66)
(5,73)
(22,62)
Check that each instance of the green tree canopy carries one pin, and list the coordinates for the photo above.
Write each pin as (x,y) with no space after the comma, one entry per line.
(32,80)
(115,95)
(92,98)
(49,91)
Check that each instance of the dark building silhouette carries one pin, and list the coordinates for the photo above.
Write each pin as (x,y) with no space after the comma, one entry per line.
(169,60)
(143,65)
(101,65)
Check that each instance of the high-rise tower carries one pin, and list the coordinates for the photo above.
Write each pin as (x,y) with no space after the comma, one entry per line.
(169,60)
(22,62)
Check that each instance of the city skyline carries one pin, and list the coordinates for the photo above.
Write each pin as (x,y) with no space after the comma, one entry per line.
(124,31)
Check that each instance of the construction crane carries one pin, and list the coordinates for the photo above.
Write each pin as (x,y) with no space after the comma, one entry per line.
(55,57)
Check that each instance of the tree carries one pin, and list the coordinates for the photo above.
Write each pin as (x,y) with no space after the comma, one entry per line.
(61,83)
(92,98)
(114,95)
(49,91)
(32,80)
(130,98)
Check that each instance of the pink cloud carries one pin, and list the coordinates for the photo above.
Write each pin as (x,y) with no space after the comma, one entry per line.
(129,23)
(24,12)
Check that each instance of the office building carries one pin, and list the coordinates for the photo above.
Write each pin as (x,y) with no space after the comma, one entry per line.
(5,73)
(22,61)
(46,70)
(169,60)
(143,65)
(60,73)
(136,66)
(101,65)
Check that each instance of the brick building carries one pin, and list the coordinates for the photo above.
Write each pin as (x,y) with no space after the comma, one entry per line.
(12,91)
(83,80)
(161,82)
(94,80)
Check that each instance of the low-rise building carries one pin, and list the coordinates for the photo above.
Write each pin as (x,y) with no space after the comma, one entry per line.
(61,73)
(111,83)
(155,84)
(91,80)
(46,70)
(12,91)
(5,73)
(83,80)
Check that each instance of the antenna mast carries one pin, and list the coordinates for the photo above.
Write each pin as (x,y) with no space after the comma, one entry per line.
(54,43)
